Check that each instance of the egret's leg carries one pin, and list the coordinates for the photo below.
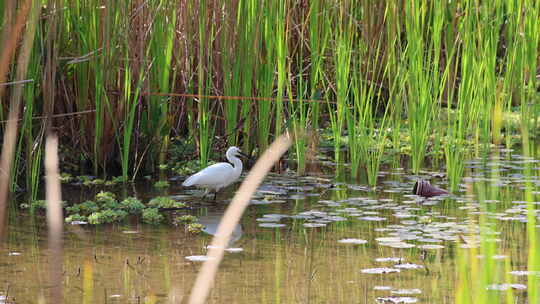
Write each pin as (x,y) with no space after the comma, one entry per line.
(215,195)
(206,191)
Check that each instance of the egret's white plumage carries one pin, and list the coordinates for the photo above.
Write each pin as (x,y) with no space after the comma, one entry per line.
(219,175)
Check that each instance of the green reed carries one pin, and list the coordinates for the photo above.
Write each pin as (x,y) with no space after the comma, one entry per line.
(395,73)
(469,109)
(238,66)
(319,33)
(94,39)
(161,48)
(264,113)
(342,60)
(231,86)
(280,40)
(130,103)
(424,82)
(457,124)
(359,121)
(529,96)
(265,74)
(379,134)
(29,142)
(368,117)
(298,120)
(204,72)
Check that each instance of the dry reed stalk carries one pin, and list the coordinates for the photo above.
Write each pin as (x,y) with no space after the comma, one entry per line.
(9,9)
(10,135)
(8,151)
(11,43)
(232,216)
(54,218)
(24,54)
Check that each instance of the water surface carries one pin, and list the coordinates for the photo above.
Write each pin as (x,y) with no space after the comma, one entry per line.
(312,239)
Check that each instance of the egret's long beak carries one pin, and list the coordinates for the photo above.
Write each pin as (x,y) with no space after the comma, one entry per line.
(244,155)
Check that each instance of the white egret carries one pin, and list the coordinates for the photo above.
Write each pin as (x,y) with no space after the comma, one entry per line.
(219,175)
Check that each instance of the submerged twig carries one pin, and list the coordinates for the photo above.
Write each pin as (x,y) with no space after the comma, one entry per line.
(232,215)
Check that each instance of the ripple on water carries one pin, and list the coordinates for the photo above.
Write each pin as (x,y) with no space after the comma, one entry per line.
(268,219)
(78,223)
(524,272)
(398,245)
(495,257)
(314,225)
(390,259)
(335,218)
(372,218)
(388,239)
(260,202)
(297,196)
(198,258)
(469,246)
(409,222)
(408,237)
(396,300)
(505,286)
(234,250)
(275,215)
(353,241)
(271,225)
(380,270)
(404,215)
(408,266)
(429,240)
(406,291)
(431,247)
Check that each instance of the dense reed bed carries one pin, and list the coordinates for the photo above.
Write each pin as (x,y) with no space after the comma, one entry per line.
(212,73)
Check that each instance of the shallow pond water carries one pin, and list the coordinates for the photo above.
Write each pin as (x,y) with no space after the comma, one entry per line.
(311,239)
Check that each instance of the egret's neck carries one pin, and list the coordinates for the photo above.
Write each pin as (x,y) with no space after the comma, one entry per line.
(237,164)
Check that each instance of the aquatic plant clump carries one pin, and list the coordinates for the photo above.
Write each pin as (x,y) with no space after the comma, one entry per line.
(76,218)
(161,184)
(106,209)
(132,205)
(84,208)
(106,216)
(194,227)
(107,200)
(186,219)
(165,202)
(152,216)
